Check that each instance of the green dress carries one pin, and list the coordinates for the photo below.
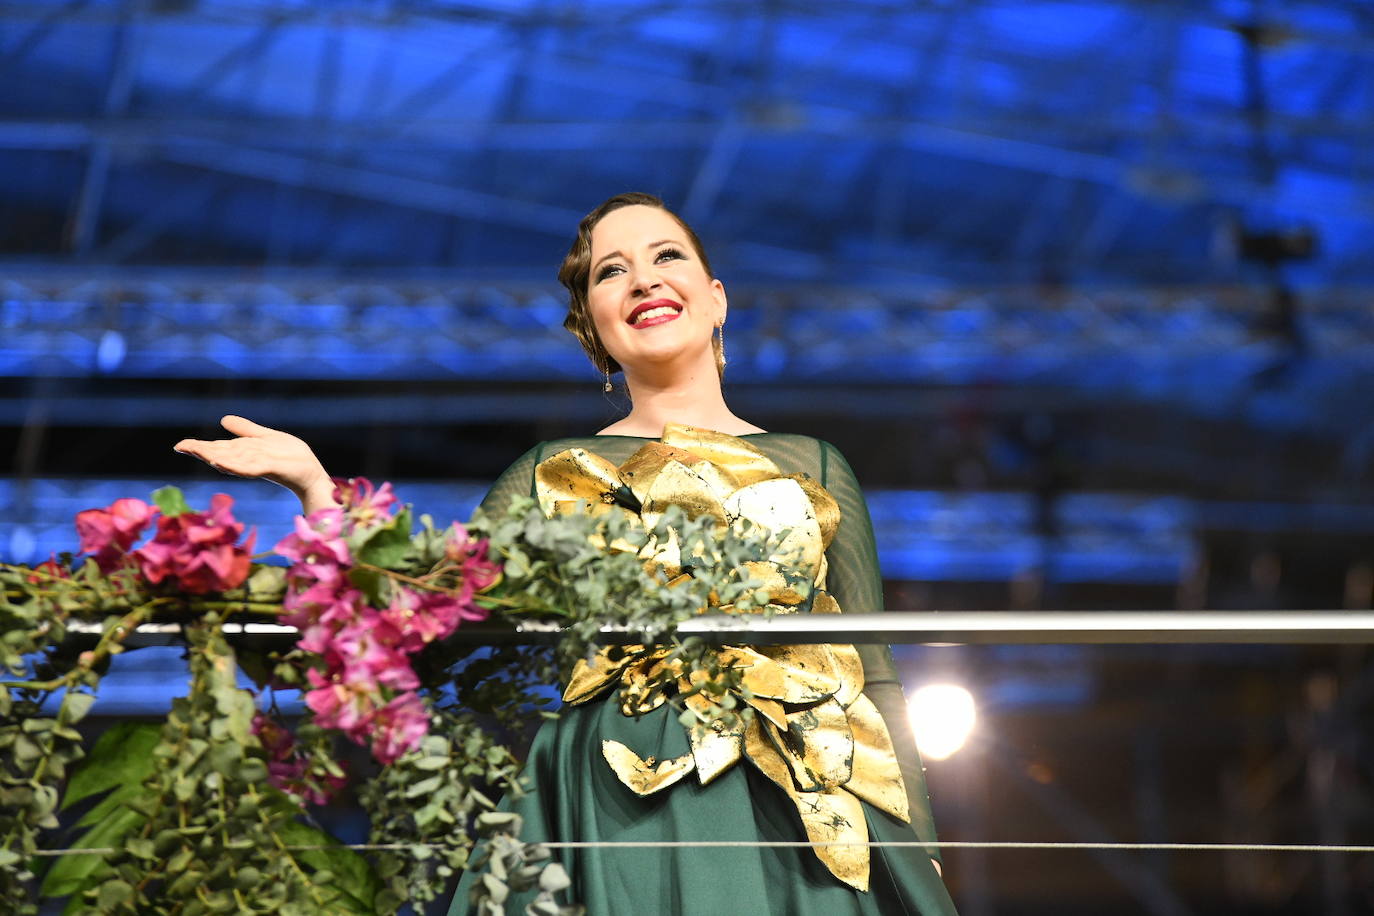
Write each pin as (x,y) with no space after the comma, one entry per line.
(577,797)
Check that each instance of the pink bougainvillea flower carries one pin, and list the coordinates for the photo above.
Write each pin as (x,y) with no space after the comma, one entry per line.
(363,504)
(276,740)
(470,554)
(398,727)
(198,550)
(421,618)
(368,653)
(47,571)
(287,770)
(317,542)
(363,683)
(340,706)
(322,610)
(109,533)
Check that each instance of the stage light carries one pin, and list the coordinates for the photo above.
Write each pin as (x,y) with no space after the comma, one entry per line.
(110,352)
(942,717)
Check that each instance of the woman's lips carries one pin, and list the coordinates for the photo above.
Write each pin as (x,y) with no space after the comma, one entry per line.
(648,314)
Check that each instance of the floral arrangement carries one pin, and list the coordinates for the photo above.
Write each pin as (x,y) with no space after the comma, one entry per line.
(213,809)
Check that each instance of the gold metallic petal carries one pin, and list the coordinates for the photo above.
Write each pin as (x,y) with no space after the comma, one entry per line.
(576,474)
(848,666)
(645,777)
(785,586)
(714,747)
(837,817)
(678,485)
(639,470)
(772,710)
(741,460)
(639,693)
(826,508)
(819,747)
(877,777)
(808,674)
(788,681)
(589,677)
(779,505)
(828,817)
(764,754)
(665,555)
(850,669)
(822,572)
(825,604)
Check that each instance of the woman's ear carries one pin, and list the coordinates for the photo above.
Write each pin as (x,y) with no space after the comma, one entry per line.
(722,304)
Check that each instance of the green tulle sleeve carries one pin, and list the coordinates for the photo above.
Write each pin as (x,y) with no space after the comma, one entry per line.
(856,583)
(516,480)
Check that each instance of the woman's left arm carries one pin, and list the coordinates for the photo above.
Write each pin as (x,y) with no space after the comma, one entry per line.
(856,583)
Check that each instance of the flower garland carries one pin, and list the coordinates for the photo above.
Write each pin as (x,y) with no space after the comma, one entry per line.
(210,811)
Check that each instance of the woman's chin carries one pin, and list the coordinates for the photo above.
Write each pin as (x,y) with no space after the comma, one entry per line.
(669,355)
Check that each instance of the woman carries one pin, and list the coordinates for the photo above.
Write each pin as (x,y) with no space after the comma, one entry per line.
(643,301)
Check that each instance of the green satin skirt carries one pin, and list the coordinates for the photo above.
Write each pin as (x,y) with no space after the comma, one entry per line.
(576,797)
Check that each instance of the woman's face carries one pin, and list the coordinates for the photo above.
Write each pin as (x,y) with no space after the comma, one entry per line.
(649,294)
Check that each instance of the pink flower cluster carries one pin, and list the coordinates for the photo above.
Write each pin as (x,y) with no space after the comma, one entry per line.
(199,551)
(366,686)
(109,533)
(287,770)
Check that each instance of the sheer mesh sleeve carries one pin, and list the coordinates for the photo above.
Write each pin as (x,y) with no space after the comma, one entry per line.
(516,480)
(855,581)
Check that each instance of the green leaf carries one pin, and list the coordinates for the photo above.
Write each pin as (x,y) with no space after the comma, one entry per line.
(372,584)
(256,664)
(354,879)
(171,501)
(113,893)
(74,707)
(74,873)
(266,581)
(121,757)
(386,545)
(121,760)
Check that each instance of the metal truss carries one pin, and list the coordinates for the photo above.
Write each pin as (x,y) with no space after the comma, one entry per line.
(1213,350)
(412,104)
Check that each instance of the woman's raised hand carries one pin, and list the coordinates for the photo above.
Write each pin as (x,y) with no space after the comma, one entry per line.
(271,454)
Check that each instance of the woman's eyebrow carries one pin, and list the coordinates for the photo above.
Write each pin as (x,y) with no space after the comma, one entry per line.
(617,254)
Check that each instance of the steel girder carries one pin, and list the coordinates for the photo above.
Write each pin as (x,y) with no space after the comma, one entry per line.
(382,101)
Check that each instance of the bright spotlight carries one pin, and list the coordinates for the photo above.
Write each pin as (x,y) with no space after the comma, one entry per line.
(942,716)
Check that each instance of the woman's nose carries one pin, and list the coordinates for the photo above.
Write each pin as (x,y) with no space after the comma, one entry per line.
(644,278)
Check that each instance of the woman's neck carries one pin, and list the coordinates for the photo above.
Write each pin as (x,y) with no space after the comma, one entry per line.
(694,399)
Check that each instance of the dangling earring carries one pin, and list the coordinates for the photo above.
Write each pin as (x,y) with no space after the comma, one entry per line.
(606,369)
(720,332)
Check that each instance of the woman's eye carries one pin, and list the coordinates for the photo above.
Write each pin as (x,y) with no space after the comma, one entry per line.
(670,254)
(607,271)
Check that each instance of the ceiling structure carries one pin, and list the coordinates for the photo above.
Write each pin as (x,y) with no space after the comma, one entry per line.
(861,143)
(1083,289)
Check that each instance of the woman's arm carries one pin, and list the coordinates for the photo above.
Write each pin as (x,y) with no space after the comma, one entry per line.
(256,451)
(856,583)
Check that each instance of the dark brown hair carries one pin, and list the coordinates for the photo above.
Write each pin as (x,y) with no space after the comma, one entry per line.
(575,275)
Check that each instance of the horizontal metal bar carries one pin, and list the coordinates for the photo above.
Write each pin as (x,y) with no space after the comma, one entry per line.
(897,627)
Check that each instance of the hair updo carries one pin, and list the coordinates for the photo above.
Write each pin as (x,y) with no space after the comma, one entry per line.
(575,275)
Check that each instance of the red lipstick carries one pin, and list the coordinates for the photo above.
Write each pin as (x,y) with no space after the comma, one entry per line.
(635,322)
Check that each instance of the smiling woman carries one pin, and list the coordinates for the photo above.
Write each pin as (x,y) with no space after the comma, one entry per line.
(826,754)
(634,266)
